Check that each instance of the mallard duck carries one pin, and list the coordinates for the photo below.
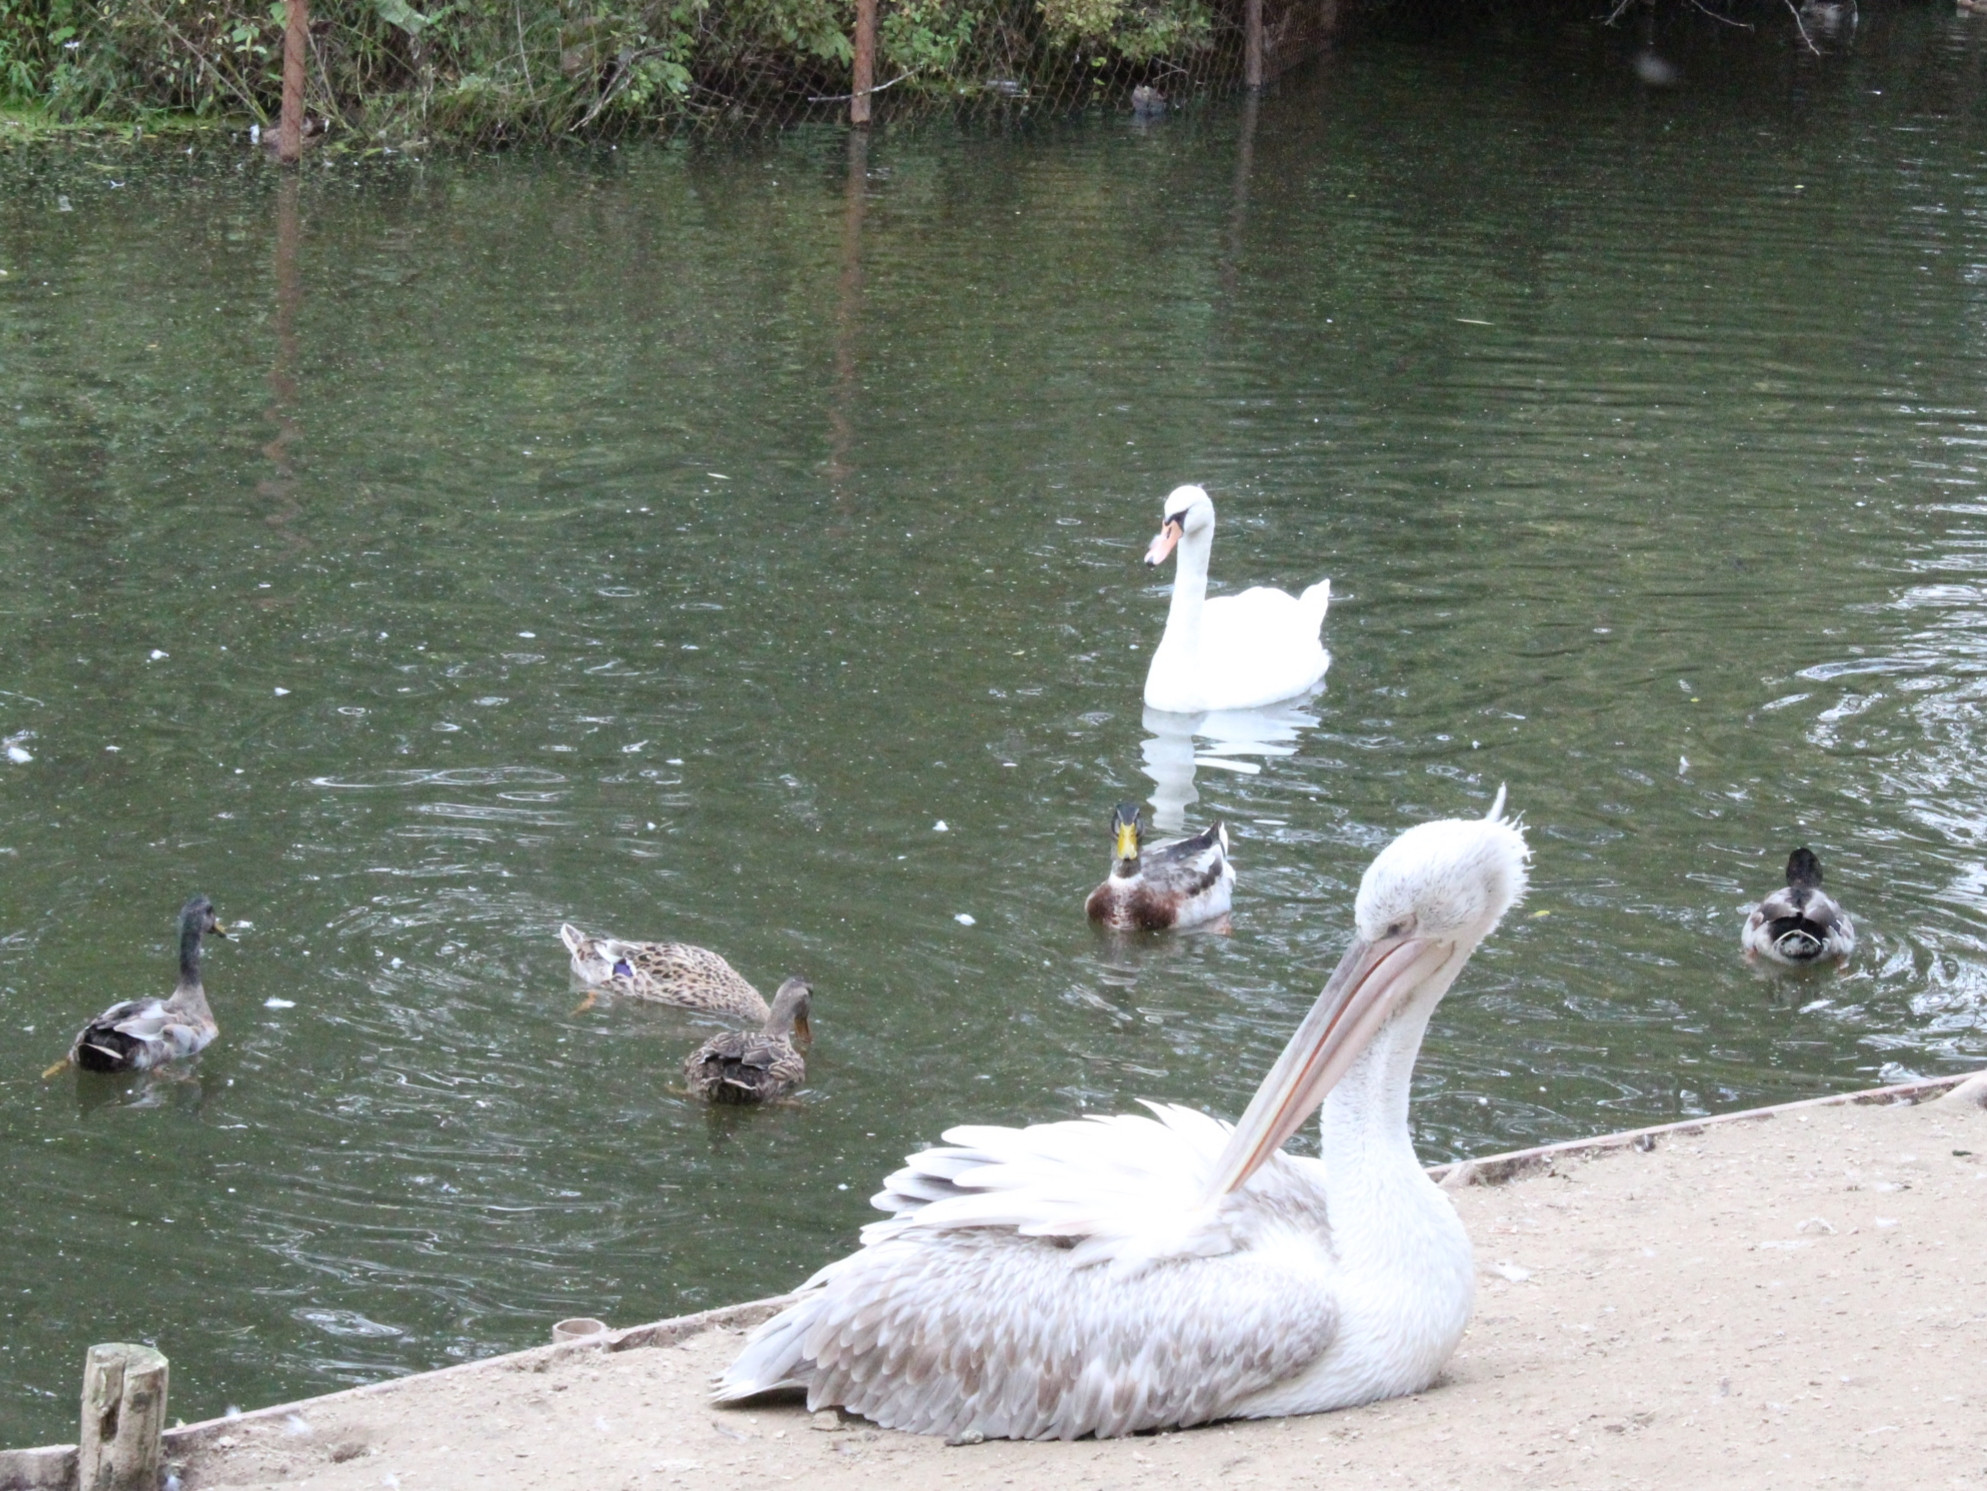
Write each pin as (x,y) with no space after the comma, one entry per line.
(139,1034)
(692,978)
(1801,924)
(1236,651)
(755,1066)
(1175,885)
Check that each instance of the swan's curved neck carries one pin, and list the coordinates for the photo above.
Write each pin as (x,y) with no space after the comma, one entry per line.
(1189,590)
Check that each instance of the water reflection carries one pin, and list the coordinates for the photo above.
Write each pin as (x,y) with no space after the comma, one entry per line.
(279,488)
(848,312)
(1231,736)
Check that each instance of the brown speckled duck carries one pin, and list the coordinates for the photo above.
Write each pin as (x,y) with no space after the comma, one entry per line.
(1180,884)
(691,978)
(755,1066)
(1802,923)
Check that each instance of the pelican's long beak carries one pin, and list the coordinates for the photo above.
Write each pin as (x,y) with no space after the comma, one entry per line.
(1169,535)
(1371,982)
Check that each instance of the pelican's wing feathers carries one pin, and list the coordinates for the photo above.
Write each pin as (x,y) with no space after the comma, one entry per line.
(1059,1280)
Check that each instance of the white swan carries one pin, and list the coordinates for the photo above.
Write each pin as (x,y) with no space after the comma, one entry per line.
(1236,651)
(1120,1274)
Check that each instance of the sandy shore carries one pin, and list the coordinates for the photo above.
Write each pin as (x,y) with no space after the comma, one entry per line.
(1800,1301)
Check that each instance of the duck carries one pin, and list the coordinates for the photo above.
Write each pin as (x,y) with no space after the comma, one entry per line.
(1236,651)
(1180,884)
(756,1066)
(691,978)
(136,1035)
(1801,924)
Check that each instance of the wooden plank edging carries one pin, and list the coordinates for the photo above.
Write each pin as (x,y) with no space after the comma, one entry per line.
(1497,1169)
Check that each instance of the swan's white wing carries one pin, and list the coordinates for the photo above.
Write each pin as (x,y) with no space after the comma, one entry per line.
(1061,1280)
(1264,643)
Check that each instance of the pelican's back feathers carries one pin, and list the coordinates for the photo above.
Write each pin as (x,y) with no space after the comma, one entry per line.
(1123,1189)
(1100,1225)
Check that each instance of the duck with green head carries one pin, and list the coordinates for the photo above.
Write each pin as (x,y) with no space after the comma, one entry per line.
(1180,884)
(139,1034)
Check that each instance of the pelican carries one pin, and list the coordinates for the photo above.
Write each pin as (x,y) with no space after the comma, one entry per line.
(1116,1274)
(1801,923)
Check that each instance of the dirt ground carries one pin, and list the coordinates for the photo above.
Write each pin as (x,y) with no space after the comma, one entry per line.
(1796,1302)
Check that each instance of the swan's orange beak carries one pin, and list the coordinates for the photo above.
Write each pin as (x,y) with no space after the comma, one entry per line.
(1169,535)
(1370,983)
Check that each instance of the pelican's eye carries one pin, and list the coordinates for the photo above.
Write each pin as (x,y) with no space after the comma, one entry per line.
(1399,928)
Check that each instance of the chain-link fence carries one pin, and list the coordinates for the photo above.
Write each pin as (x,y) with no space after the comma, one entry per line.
(1011,65)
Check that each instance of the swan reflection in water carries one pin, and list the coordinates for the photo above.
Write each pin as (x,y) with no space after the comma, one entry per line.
(1220,738)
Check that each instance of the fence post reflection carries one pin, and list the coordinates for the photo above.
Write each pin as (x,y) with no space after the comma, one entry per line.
(279,486)
(1238,212)
(848,312)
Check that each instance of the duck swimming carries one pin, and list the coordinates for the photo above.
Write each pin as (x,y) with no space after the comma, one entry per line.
(139,1034)
(756,1066)
(1236,651)
(1175,885)
(1801,924)
(691,978)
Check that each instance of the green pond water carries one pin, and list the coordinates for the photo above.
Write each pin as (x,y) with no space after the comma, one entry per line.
(669,539)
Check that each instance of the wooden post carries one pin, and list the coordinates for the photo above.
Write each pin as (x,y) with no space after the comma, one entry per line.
(290,129)
(124,1413)
(1252,43)
(864,80)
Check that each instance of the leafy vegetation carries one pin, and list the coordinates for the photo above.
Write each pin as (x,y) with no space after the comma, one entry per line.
(493,71)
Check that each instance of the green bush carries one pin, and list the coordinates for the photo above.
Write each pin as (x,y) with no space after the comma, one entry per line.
(505,70)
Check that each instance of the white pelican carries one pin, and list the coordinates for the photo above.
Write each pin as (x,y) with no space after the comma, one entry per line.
(1236,651)
(1180,884)
(1126,1273)
(1801,923)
